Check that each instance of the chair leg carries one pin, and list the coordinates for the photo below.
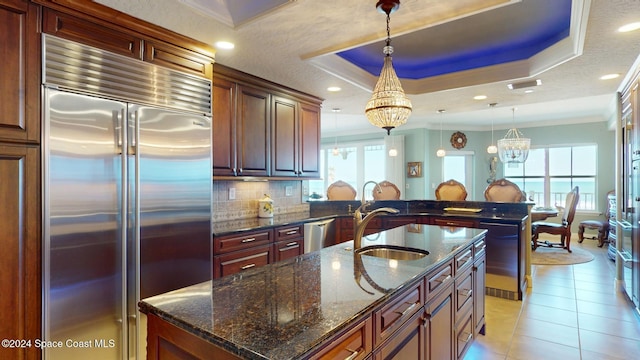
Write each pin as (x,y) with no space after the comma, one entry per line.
(568,236)
(534,242)
(601,236)
(580,233)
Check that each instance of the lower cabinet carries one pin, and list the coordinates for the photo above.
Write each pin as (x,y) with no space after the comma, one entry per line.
(406,343)
(237,261)
(439,316)
(353,344)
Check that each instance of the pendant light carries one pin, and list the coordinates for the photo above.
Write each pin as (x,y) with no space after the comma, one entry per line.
(388,106)
(492,149)
(393,151)
(335,150)
(441,152)
(513,149)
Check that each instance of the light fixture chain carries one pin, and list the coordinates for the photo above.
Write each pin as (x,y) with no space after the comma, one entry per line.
(388,32)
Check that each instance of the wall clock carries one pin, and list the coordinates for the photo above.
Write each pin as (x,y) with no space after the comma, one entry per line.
(458,140)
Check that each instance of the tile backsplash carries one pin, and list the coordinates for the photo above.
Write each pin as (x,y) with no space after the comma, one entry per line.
(247,194)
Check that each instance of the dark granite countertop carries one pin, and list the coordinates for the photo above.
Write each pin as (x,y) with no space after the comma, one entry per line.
(320,210)
(286,309)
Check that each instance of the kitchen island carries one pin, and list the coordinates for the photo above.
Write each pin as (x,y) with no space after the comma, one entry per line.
(306,306)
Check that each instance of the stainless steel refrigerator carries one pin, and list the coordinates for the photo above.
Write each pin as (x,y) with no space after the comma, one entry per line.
(127,195)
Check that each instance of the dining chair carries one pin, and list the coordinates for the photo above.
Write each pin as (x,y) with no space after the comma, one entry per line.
(503,190)
(601,226)
(451,190)
(563,228)
(385,191)
(341,190)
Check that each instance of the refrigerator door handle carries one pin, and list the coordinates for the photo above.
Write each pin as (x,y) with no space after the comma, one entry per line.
(132,140)
(118,130)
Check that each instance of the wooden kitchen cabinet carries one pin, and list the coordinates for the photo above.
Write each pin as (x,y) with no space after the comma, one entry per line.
(240,129)
(20,85)
(289,242)
(479,273)
(408,342)
(354,343)
(235,253)
(271,131)
(439,312)
(20,278)
(104,28)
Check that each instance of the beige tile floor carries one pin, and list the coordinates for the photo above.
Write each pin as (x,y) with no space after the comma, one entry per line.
(571,312)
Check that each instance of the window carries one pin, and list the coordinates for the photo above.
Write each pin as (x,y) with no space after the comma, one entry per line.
(353,163)
(551,172)
(457,166)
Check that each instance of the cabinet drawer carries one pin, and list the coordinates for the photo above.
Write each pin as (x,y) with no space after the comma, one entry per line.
(238,261)
(287,249)
(439,279)
(464,291)
(464,334)
(455,222)
(354,344)
(225,244)
(464,259)
(392,316)
(289,232)
(479,248)
(395,221)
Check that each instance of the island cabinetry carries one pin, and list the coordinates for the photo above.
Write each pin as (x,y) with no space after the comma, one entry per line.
(346,231)
(263,129)
(295,142)
(353,344)
(390,317)
(479,273)
(289,242)
(235,253)
(439,323)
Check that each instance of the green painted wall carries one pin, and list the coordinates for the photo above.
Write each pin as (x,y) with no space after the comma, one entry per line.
(421,145)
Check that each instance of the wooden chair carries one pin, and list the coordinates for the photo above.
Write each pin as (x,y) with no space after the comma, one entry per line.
(503,190)
(601,226)
(451,190)
(563,229)
(341,190)
(387,191)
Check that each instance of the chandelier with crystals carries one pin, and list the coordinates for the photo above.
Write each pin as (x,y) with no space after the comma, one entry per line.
(388,106)
(513,149)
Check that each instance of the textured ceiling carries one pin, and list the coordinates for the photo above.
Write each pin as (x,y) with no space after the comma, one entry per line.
(295,44)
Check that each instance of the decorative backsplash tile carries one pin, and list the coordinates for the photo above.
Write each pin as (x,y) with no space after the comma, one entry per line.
(247,194)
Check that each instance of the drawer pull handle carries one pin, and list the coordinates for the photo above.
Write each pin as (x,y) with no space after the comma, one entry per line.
(354,354)
(248,240)
(292,232)
(465,259)
(292,244)
(467,335)
(466,292)
(407,310)
(248,266)
(446,278)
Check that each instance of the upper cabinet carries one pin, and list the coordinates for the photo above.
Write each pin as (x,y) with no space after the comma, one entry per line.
(262,129)
(20,85)
(101,27)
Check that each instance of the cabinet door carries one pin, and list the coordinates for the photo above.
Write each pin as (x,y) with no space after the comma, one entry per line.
(252,132)
(224,129)
(354,343)
(20,279)
(92,34)
(309,155)
(177,58)
(440,320)
(20,85)
(479,269)
(284,144)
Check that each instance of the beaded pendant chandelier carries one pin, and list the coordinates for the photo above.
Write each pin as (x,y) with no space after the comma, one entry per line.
(388,107)
(513,149)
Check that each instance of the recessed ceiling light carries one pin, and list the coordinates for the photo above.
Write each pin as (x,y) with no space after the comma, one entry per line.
(629,27)
(609,76)
(224,45)
(479,97)
(528,91)
(333,88)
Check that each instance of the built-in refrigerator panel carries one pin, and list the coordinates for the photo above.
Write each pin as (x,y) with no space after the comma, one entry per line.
(127,195)
(84,268)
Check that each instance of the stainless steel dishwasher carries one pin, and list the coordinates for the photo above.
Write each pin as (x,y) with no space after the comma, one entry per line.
(317,235)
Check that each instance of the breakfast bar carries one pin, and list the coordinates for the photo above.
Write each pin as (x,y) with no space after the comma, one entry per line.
(332,300)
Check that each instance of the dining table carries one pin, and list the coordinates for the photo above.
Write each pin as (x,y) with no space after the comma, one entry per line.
(542,213)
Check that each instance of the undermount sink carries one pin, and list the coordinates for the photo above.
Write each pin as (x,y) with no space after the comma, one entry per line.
(392,252)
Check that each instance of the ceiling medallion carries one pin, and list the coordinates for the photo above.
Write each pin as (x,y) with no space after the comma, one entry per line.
(458,140)
(388,106)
